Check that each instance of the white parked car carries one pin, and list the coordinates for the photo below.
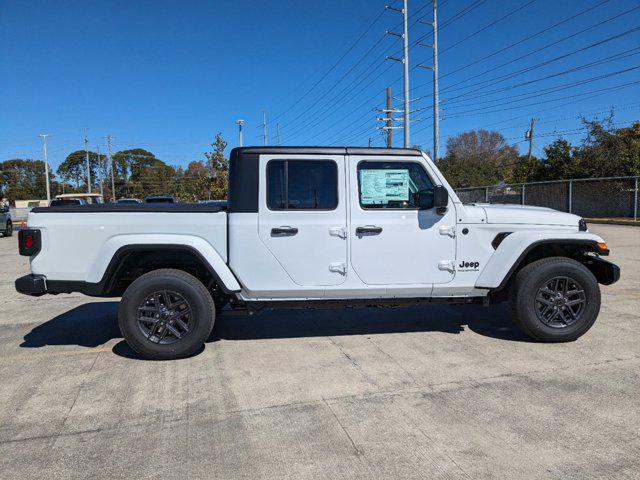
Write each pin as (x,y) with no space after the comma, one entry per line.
(318,227)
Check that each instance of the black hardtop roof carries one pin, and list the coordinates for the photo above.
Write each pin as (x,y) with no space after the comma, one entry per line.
(274,150)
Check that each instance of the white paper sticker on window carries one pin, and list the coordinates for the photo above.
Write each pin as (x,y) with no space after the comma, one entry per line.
(379,187)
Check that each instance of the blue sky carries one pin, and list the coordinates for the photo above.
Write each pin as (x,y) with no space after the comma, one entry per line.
(167,75)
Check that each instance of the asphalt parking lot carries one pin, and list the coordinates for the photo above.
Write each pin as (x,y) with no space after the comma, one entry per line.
(421,392)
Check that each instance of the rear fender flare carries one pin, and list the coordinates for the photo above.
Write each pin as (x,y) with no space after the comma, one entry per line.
(111,251)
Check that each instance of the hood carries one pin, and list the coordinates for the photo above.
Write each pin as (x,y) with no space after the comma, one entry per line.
(528,215)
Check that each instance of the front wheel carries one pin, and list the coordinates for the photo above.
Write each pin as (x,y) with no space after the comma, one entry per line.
(166,314)
(555,299)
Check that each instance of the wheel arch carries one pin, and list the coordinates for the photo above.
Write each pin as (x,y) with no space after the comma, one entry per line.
(132,260)
(508,259)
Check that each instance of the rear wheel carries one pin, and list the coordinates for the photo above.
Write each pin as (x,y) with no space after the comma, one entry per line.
(166,314)
(555,299)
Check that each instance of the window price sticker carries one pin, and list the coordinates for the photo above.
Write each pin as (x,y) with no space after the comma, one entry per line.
(379,187)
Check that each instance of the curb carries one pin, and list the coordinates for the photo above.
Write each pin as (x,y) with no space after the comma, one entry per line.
(614,221)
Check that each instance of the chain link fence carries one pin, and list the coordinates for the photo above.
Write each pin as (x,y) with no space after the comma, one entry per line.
(613,197)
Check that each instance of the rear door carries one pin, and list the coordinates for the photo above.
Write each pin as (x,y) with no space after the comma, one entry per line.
(393,242)
(302,216)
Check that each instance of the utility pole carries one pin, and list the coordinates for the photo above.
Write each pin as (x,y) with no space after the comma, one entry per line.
(278,132)
(264,127)
(529,136)
(434,68)
(46,166)
(239,123)
(405,62)
(100,172)
(86,151)
(389,129)
(436,102)
(113,179)
(405,36)
(388,119)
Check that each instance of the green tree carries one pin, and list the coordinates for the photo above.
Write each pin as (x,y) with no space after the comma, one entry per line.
(478,157)
(22,179)
(560,161)
(128,164)
(74,167)
(526,170)
(158,179)
(218,166)
(196,182)
(609,152)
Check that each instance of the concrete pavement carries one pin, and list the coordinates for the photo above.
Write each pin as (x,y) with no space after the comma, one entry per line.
(421,392)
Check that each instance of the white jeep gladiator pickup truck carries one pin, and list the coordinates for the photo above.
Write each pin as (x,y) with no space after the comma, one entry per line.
(313,227)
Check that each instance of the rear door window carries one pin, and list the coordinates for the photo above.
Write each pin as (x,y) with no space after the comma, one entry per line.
(302,185)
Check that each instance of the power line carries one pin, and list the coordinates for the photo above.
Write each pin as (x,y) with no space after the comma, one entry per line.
(508,76)
(485,111)
(333,67)
(452,19)
(590,94)
(371,49)
(562,86)
(493,69)
(471,35)
(330,90)
(330,106)
(527,38)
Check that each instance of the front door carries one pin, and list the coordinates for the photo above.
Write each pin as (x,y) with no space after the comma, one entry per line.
(393,242)
(302,216)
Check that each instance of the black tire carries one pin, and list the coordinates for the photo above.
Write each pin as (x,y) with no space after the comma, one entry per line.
(563,317)
(166,288)
(9,229)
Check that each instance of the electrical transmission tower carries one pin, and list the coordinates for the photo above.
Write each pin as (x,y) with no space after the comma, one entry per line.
(405,61)
(434,68)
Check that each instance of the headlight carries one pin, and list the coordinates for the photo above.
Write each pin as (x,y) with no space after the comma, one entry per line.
(582,225)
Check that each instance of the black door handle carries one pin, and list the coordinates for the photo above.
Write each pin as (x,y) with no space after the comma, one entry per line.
(368,229)
(283,231)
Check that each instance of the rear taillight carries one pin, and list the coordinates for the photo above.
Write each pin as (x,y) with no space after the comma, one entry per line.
(29,242)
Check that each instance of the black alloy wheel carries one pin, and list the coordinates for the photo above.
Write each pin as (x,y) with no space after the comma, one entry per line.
(164,317)
(560,302)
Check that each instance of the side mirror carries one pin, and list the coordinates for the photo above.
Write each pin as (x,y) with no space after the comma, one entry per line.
(440,198)
(424,199)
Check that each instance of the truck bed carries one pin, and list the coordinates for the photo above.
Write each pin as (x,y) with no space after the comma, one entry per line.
(133,207)
(78,247)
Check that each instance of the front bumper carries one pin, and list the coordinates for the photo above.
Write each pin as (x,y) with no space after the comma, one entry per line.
(34,285)
(605,272)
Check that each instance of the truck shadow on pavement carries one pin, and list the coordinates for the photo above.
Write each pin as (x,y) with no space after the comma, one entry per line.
(94,324)
(88,325)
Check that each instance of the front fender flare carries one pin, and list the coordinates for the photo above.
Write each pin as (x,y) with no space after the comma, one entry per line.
(107,257)
(515,247)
